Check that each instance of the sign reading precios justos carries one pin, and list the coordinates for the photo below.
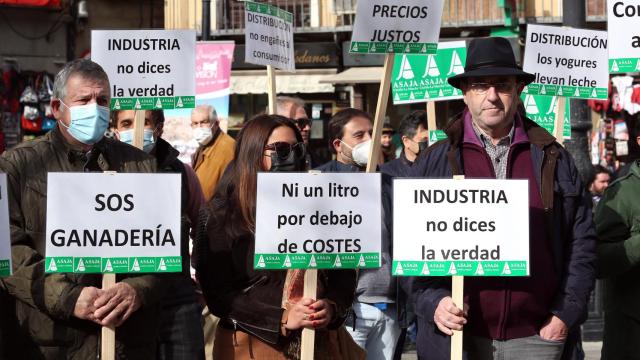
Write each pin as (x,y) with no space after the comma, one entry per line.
(269,36)
(391,26)
(148,69)
(471,227)
(567,62)
(624,42)
(5,233)
(113,223)
(318,221)
(422,78)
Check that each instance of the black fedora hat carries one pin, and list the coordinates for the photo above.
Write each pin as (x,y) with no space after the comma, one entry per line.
(491,56)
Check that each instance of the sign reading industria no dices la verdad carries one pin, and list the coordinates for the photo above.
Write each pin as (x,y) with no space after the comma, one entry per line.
(148,69)
(471,227)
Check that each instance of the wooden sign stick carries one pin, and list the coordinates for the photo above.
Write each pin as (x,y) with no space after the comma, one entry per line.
(558,126)
(381,111)
(457,294)
(108,343)
(271,89)
(431,116)
(307,345)
(108,336)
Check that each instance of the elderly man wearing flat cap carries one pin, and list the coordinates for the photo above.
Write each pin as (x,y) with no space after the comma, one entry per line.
(535,317)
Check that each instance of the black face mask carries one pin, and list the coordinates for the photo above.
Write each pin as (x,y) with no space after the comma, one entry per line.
(293,162)
(423,145)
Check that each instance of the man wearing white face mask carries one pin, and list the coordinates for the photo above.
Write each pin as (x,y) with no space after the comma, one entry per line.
(59,315)
(350,139)
(373,323)
(215,151)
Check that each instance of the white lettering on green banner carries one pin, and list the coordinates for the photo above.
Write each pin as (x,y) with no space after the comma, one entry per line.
(624,44)
(5,234)
(318,221)
(113,223)
(471,227)
(567,62)
(422,78)
(390,26)
(269,36)
(543,109)
(147,69)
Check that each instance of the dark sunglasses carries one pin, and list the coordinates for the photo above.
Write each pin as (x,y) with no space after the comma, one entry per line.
(282,149)
(302,123)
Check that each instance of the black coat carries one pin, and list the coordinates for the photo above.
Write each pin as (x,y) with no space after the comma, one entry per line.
(249,299)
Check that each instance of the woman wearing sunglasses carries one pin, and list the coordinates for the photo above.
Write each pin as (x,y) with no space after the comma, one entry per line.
(262,312)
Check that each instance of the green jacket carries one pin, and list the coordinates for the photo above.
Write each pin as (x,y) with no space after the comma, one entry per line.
(618,226)
(44,303)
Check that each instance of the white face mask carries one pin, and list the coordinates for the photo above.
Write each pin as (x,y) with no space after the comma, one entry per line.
(202,135)
(360,152)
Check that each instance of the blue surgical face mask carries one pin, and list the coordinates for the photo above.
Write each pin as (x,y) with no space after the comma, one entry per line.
(88,122)
(126,136)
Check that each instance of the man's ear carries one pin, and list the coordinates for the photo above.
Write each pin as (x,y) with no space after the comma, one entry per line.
(638,140)
(56,108)
(337,145)
(405,141)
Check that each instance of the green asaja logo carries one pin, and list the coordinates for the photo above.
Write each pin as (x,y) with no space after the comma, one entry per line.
(406,72)
(431,69)
(530,105)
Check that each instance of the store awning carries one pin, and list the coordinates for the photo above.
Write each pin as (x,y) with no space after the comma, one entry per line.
(302,81)
(356,75)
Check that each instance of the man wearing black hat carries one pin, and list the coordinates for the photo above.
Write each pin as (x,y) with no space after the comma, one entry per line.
(535,317)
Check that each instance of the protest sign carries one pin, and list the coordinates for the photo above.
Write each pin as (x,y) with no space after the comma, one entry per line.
(148,69)
(5,232)
(390,26)
(269,36)
(318,221)
(422,78)
(567,62)
(543,109)
(213,82)
(113,223)
(624,44)
(477,227)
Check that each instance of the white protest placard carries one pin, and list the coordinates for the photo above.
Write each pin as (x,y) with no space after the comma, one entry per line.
(472,227)
(148,69)
(318,221)
(269,36)
(624,44)
(567,62)
(392,26)
(113,223)
(5,232)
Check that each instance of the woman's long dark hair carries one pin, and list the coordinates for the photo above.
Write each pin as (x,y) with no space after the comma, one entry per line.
(239,184)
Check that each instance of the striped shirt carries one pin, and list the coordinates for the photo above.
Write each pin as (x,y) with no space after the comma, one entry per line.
(497,153)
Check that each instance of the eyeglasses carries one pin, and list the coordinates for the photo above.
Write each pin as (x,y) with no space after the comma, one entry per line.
(302,123)
(283,149)
(481,88)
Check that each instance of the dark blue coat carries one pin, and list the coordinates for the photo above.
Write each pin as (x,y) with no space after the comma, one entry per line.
(573,236)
